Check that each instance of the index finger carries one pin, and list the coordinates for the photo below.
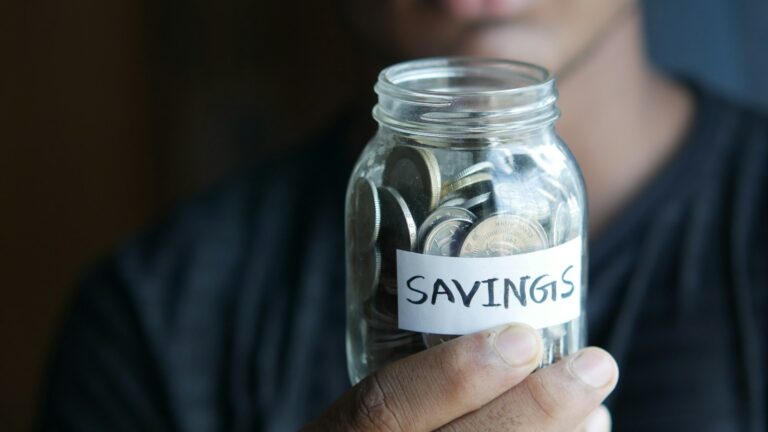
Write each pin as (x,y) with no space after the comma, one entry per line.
(429,389)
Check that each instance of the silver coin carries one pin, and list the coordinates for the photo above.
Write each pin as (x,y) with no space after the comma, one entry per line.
(561,224)
(415,173)
(398,232)
(556,331)
(478,167)
(559,349)
(387,288)
(368,269)
(382,307)
(431,340)
(555,341)
(516,198)
(379,324)
(446,237)
(366,208)
(376,318)
(398,229)
(471,185)
(477,201)
(574,339)
(546,194)
(502,159)
(523,163)
(502,235)
(440,214)
(453,202)
(378,344)
(393,335)
(575,217)
(389,285)
(554,186)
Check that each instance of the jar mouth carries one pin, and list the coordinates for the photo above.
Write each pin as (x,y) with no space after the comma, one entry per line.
(465,96)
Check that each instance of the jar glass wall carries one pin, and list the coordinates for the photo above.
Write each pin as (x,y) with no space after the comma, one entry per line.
(464,211)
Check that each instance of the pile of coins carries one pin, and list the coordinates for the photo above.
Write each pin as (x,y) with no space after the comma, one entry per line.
(500,206)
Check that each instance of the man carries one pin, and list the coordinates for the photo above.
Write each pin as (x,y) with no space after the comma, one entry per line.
(231,315)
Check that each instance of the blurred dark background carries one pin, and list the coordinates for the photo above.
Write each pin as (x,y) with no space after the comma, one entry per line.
(112,112)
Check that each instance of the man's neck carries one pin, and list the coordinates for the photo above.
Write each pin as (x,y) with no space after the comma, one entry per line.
(621,119)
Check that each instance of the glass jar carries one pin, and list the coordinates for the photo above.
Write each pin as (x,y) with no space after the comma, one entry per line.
(464,212)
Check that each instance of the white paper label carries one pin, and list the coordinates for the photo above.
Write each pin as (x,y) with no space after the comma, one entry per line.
(454,295)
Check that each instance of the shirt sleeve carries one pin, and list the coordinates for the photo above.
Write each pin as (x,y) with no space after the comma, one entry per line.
(103,376)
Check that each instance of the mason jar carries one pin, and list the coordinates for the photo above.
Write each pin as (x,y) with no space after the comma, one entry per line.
(465,211)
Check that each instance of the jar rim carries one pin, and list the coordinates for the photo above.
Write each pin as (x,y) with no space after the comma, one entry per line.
(465,97)
(391,78)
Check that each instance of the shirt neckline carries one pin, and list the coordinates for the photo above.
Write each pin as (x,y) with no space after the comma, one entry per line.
(669,178)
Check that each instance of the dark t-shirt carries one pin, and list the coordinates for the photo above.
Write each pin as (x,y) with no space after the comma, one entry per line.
(230,316)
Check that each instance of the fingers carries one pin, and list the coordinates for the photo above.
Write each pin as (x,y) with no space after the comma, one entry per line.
(556,398)
(429,389)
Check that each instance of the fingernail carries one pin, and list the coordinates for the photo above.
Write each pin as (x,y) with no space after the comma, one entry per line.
(517,345)
(594,367)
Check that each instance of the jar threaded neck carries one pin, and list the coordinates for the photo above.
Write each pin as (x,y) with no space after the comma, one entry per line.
(464,97)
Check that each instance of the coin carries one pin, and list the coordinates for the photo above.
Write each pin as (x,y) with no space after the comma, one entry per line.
(366,208)
(377,318)
(502,235)
(431,340)
(398,229)
(554,186)
(386,303)
(382,308)
(440,214)
(471,185)
(559,349)
(502,159)
(575,218)
(476,203)
(561,224)
(546,194)
(414,173)
(523,163)
(556,331)
(453,202)
(389,285)
(478,167)
(516,198)
(368,271)
(514,162)
(446,237)
(393,335)
(392,341)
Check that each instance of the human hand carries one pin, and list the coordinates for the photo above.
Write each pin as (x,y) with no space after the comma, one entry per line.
(481,381)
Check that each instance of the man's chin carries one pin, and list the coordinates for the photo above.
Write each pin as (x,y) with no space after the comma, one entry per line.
(514,42)
(470,10)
